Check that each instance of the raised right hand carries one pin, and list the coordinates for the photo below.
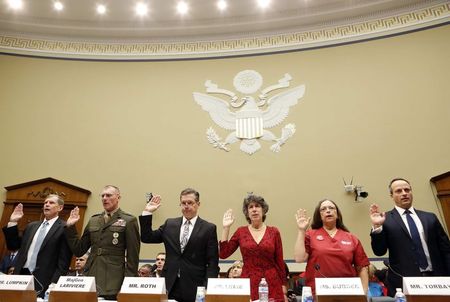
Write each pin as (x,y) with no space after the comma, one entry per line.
(302,220)
(228,218)
(17,213)
(74,216)
(376,216)
(153,204)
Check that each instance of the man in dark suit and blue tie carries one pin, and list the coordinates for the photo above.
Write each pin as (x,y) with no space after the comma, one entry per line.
(191,246)
(8,262)
(43,251)
(416,240)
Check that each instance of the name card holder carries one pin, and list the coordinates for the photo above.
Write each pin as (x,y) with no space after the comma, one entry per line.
(425,289)
(138,289)
(228,290)
(339,290)
(74,289)
(17,288)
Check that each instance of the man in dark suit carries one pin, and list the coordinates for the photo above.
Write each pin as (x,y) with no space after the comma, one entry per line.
(44,251)
(417,243)
(191,246)
(80,265)
(8,261)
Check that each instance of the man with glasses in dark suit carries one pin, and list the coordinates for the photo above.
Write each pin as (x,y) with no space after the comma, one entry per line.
(191,246)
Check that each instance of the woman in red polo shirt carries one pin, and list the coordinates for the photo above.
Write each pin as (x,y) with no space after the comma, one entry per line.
(329,249)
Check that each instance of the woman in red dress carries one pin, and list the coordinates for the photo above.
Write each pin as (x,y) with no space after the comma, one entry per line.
(260,245)
(328,247)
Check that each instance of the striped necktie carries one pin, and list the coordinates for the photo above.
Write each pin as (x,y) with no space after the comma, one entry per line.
(185,236)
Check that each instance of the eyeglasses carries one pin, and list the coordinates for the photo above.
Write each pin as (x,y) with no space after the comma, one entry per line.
(187,203)
(331,208)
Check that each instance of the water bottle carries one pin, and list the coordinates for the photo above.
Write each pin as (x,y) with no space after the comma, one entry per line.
(399,295)
(307,294)
(47,292)
(263,291)
(200,297)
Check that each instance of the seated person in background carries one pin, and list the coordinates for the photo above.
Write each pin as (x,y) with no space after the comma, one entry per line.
(8,261)
(157,269)
(235,270)
(145,270)
(80,263)
(381,275)
(10,270)
(376,288)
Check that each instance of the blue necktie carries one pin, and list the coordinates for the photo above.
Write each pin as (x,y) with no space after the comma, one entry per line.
(37,246)
(420,254)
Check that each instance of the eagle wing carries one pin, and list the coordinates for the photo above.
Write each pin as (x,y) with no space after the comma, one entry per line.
(280,104)
(218,109)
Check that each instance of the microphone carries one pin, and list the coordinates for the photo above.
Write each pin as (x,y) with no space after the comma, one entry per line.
(386,263)
(38,292)
(154,267)
(317,268)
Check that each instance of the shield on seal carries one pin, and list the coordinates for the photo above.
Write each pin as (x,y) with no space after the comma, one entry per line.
(249,122)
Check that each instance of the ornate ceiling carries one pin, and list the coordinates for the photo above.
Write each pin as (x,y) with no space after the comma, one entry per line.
(244,28)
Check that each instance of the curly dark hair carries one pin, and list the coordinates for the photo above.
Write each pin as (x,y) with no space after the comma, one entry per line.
(317,220)
(254,199)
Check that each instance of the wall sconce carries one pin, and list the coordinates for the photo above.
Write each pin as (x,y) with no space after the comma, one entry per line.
(357,189)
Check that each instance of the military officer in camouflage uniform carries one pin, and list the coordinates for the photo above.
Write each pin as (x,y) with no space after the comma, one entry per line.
(114,240)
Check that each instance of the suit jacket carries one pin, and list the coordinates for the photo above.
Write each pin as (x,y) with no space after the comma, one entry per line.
(54,256)
(7,263)
(199,260)
(402,259)
(110,243)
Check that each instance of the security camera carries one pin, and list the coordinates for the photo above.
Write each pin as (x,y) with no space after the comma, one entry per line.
(363,194)
(360,194)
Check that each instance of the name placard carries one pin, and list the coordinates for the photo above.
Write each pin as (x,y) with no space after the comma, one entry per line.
(228,286)
(141,285)
(75,284)
(16,282)
(339,286)
(426,286)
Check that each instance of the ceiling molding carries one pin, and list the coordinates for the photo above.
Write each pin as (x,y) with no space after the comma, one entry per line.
(13,43)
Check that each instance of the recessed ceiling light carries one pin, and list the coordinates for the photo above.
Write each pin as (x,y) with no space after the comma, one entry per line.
(141,9)
(57,5)
(263,3)
(101,9)
(182,7)
(222,4)
(15,4)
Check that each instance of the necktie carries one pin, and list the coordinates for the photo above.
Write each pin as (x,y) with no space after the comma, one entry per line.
(420,254)
(37,246)
(184,236)
(107,217)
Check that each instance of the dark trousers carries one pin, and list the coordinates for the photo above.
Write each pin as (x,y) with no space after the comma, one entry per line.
(176,293)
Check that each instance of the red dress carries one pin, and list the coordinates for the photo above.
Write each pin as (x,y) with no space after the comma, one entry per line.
(263,260)
(337,256)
